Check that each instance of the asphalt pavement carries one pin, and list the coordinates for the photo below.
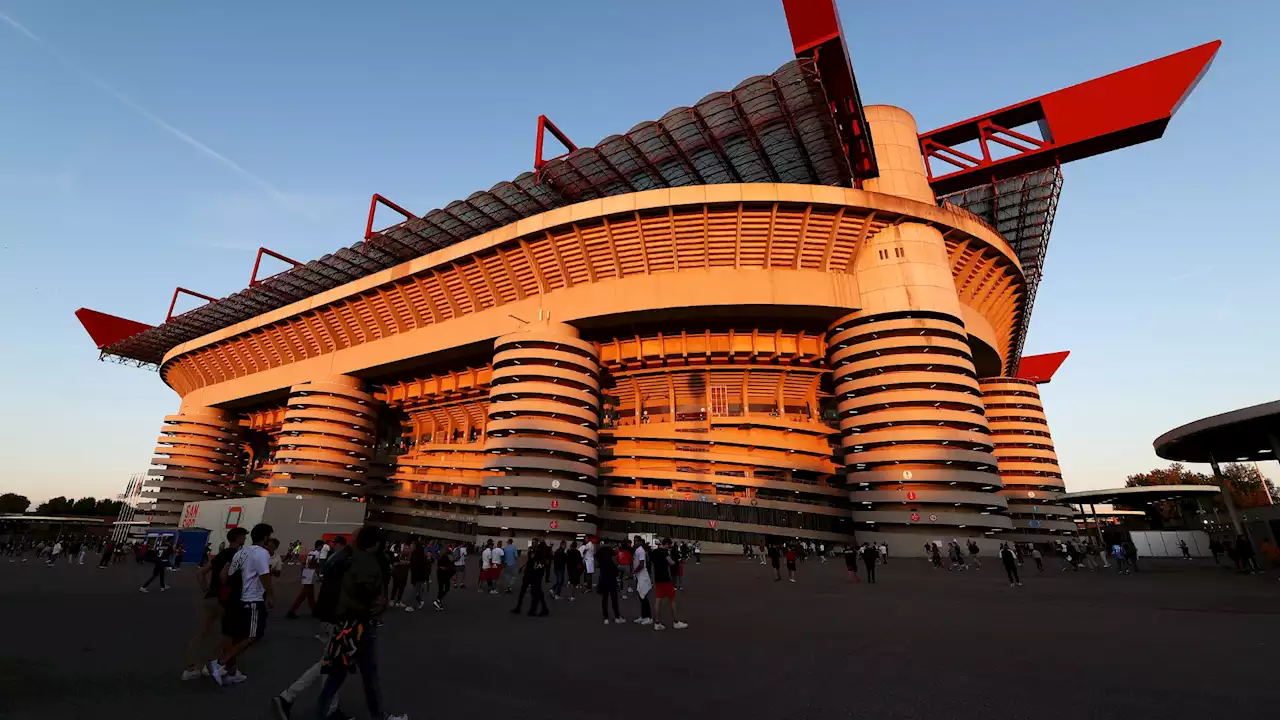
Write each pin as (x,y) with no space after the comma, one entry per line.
(1179,640)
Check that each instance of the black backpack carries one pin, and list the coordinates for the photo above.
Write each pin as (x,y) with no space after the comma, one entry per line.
(229,590)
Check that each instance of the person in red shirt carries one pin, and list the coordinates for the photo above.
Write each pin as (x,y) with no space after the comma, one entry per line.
(791,563)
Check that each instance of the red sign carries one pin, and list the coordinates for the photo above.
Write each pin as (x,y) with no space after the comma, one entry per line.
(555,524)
(933,518)
(915,517)
(713,524)
(189,514)
(688,496)
(911,495)
(555,504)
(233,516)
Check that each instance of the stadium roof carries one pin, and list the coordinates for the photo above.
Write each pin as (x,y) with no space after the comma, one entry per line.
(1134,495)
(770,128)
(1250,433)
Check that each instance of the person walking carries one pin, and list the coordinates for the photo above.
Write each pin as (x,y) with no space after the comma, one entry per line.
(159,563)
(1182,545)
(622,556)
(209,579)
(851,563)
(1244,554)
(607,583)
(1010,562)
(1036,557)
(420,577)
(333,569)
(664,566)
(496,560)
(883,552)
(510,555)
(444,576)
(870,556)
(535,566)
(973,554)
(307,591)
(1118,551)
(56,550)
(775,555)
(791,563)
(245,619)
(108,549)
(573,563)
(1131,554)
(84,548)
(697,552)
(559,559)
(354,645)
(400,577)
(460,566)
(1215,549)
(589,562)
(486,565)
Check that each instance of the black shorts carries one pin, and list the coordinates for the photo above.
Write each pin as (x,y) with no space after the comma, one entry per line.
(244,620)
(791,565)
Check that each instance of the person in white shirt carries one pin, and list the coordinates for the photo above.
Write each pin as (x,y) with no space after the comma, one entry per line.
(324,550)
(589,561)
(486,566)
(276,563)
(245,621)
(643,582)
(460,566)
(55,552)
(307,593)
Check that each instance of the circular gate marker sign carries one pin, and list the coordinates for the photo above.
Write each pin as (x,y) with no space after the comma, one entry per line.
(713,524)
(906,474)
(555,504)
(915,517)
(933,518)
(911,495)
(555,524)
(555,484)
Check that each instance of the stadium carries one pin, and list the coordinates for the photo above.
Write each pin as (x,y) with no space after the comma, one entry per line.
(775,313)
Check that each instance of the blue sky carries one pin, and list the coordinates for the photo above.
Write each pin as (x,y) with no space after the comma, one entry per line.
(193,133)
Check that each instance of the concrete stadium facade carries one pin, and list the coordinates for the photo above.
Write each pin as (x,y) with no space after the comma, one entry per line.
(723,362)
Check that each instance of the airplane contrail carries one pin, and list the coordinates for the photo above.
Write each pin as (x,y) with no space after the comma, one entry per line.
(128,102)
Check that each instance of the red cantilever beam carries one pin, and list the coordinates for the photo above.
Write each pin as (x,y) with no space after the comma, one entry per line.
(183,291)
(253,277)
(1040,368)
(1108,113)
(544,126)
(816,33)
(373,208)
(107,330)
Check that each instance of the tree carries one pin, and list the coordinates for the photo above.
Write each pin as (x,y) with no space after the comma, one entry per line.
(1248,486)
(55,506)
(14,503)
(107,507)
(84,506)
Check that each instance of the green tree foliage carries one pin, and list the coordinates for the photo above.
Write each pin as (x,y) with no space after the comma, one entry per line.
(1246,483)
(13,503)
(84,506)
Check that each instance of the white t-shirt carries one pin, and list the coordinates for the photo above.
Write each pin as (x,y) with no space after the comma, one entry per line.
(486,559)
(276,564)
(637,557)
(324,551)
(589,556)
(253,561)
(308,572)
(459,556)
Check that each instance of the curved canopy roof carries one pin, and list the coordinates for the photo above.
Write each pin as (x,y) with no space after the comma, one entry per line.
(1239,435)
(1137,495)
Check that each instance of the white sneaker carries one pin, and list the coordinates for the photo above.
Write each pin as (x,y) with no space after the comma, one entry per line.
(792,579)
(680,625)
(142,589)
(215,671)
(164,589)
(408,608)
(1011,584)
(606,621)
(190,674)
(239,677)
(659,626)
(638,621)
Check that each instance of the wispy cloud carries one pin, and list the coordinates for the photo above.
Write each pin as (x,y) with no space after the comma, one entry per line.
(156,120)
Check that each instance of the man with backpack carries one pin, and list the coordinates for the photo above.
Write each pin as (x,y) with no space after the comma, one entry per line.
(247,583)
(209,577)
(333,570)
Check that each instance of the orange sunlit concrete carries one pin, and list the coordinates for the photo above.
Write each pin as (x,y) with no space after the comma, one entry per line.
(726,363)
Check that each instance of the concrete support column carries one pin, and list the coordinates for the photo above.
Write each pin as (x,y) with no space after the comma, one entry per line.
(1027,462)
(542,439)
(917,449)
(327,439)
(195,460)
(1226,496)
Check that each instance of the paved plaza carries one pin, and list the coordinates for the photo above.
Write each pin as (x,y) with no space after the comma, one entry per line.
(1176,641)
